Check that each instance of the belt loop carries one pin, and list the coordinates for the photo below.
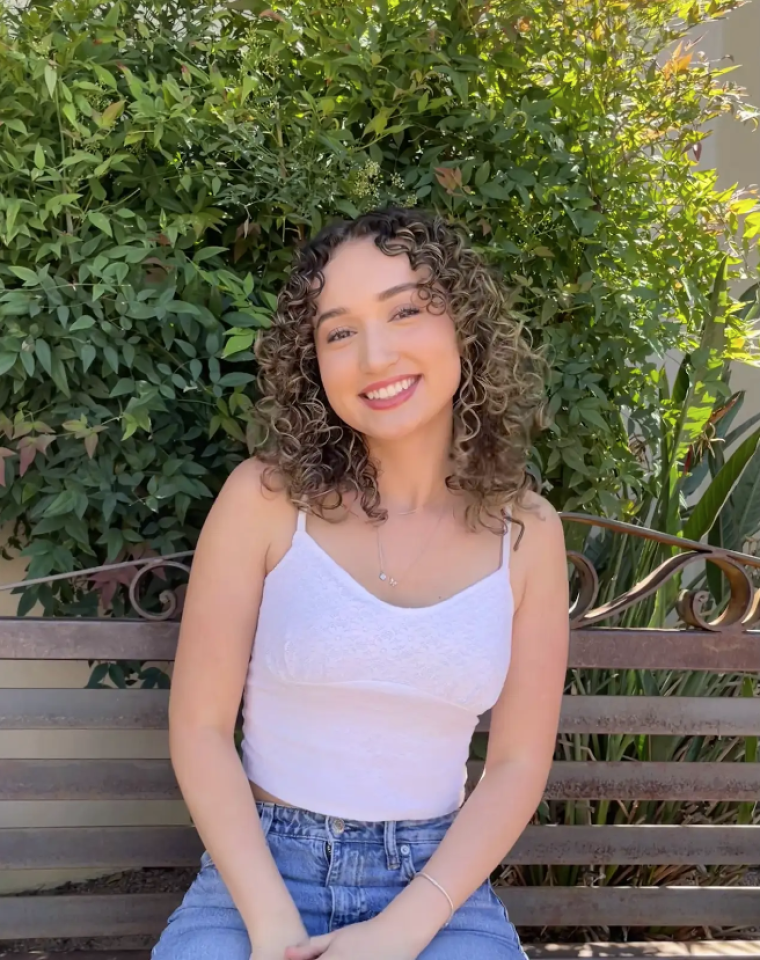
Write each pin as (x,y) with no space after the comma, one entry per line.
(391,850)
(266,816)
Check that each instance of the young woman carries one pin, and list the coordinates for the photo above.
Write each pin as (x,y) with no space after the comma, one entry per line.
(359,584)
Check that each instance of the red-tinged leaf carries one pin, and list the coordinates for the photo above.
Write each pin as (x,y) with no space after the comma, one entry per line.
(91,444)
(40,427)
(27,449)
(21,430)
(449,178)
(42,443)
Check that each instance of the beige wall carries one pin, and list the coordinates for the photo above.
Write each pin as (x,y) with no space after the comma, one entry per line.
(735,147)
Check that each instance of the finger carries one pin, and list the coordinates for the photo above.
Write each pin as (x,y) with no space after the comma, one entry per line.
(311,950)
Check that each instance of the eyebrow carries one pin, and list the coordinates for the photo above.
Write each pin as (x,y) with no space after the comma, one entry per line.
(385,295)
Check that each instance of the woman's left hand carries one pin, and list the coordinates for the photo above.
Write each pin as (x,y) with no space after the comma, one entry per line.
(368,940)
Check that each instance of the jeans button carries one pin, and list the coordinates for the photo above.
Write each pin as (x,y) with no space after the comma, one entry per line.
(339,826)
(404,848)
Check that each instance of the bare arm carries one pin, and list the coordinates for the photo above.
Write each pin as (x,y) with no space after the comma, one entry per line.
(218,626)
(521,745)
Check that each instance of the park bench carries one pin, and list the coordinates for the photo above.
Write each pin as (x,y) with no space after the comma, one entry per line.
(730,646)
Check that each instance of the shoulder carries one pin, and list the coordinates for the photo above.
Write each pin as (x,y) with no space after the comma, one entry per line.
(537,540)
(254,498)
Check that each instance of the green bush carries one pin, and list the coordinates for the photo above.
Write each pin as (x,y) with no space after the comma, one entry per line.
(159,159)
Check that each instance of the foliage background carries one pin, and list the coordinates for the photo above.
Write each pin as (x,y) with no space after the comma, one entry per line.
(158,160)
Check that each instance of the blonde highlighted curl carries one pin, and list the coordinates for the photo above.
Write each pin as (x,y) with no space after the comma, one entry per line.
(498,407)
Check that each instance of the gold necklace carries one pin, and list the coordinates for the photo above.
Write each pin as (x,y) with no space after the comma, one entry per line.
(394,581)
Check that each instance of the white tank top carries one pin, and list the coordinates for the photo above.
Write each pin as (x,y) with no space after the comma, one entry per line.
(360,709)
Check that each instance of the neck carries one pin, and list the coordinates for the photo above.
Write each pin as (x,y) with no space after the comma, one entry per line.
(412,472)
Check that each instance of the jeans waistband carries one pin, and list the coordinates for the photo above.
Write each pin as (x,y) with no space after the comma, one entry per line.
(293,822)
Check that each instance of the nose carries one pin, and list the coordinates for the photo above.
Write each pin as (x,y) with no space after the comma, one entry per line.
(377,351)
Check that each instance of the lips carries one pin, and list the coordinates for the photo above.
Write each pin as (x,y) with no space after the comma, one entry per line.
(390,393)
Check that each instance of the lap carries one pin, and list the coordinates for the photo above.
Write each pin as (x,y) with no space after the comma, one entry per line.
(465,945)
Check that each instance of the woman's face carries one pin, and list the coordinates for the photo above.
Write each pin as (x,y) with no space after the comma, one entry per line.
(389,366)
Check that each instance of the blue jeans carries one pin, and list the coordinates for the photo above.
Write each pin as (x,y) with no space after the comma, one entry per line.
(338,872)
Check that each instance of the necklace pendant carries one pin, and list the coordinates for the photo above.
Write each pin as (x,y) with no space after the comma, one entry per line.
(382,576)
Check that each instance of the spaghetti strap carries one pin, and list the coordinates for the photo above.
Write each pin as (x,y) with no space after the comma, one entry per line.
(301,524)
(506,541)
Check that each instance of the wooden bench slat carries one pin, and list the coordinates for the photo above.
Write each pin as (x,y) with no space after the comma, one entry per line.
(616,648)
(29,709)
(641,844)
(90,916)
(631,906)
(87,780)
(598,647)
(79,955)
(600,780)
(105,915)
(646,950)
(116,848)
(672,716)
(154,780)
(33,638)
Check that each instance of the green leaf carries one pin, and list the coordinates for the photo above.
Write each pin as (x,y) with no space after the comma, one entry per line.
(7,360)
(112,113)
(39,157)
(483,173)
(238,344)
(42,350)
(124,385)
(87,354)
(101,221)
(206,253)
(51,79)
(83,323)
(104,75)
(573,458)
(65,502)
(29,277)
(236,379)
(712,500)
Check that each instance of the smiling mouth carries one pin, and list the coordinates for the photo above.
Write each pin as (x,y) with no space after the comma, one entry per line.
(392,390)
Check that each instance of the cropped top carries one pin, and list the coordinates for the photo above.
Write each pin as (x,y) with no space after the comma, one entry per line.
(361,709)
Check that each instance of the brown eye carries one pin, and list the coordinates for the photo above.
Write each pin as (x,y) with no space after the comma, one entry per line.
(405,312)
(340,334)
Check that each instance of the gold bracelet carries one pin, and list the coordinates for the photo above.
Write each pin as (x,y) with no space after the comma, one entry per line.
(443,891)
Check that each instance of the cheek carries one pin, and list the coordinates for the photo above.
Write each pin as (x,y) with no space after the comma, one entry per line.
(336,371)
(444,361)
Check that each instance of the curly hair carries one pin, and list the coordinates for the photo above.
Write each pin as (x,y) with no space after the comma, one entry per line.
(498,406)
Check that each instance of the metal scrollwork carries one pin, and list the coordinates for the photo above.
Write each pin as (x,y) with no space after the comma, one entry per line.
(741,612)
(168,597)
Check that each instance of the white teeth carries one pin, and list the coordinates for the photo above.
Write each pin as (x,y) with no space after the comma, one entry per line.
(395,388)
